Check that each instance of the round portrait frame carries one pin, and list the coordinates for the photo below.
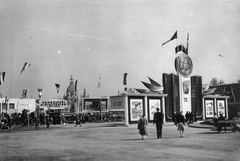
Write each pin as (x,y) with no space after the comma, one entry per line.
(183,65)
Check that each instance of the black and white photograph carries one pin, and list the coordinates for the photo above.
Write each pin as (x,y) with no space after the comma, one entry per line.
(81,80)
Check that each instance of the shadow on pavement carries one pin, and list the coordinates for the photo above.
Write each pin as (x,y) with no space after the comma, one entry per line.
(130,139)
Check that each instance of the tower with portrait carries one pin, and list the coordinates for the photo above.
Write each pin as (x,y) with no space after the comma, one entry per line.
(184,67)
(184,90)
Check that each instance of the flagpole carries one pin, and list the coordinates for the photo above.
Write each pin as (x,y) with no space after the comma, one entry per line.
(187,42)
(177,37)
(28,97)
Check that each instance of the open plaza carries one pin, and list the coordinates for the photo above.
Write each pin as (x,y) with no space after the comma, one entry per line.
(81,80)
(116,141)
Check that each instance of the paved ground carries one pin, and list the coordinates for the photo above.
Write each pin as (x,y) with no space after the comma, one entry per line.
(114,141)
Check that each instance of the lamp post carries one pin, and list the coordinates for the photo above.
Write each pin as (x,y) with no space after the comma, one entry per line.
(40,95)
(101,108)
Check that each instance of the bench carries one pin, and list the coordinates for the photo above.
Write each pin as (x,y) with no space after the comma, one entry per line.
(224,124)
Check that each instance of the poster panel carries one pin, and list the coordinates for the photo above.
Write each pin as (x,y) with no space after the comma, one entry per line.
(153,105)
(136,109)
(221,108)
(104,104)
(209,106)
(88,105)
(186,85)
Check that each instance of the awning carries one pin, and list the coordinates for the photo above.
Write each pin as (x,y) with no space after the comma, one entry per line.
(57,108)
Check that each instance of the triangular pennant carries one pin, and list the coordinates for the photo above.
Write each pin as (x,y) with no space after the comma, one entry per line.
(172,38)
(25,66)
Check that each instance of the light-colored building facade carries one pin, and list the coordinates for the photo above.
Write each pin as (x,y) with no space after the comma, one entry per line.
(16,105)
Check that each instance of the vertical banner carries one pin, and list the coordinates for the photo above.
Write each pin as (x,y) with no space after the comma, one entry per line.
(24,95)
(39,92)
(2,77)
(168,100)
(185,94)
(99,83)
(76,85)
(125,79)
(175,91)
(57,87)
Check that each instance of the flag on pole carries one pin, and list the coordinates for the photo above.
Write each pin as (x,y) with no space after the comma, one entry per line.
(99,83)
(6,99)
(57,87)
(173,37)
(2,76)
(125,79)
(26,65)
(24,94)
(76,85)
(186,51)
(180,48)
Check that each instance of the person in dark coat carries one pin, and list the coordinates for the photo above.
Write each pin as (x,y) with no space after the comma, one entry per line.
(47,121)
(158,120)
(142,126)
(37,122)
(174,117)
(195,116)
(180,124)
(78,121)
(220,118)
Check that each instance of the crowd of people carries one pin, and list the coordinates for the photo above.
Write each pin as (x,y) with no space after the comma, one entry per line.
(191,117)
(6,121)
(9,121)
(35,119)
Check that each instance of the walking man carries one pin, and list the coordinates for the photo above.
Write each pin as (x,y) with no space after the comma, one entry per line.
(158,120)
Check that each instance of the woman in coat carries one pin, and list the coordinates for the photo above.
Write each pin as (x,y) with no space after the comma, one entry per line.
(180,124)
(142,126)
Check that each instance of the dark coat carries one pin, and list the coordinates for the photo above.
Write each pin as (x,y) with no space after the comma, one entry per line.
(158,118)
(180,118)
(142,126)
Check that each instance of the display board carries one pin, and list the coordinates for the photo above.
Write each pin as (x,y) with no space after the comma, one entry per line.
(136,109)
(153,104)
(221,108)
(209,108)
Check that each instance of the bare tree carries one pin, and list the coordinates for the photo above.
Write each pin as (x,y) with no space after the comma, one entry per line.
(239,81)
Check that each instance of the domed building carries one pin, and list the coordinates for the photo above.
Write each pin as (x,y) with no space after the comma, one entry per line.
(71,96)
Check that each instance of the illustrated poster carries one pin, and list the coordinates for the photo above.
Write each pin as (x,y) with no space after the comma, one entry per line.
(221,107)
(153,105)
(136,109)
(209,108)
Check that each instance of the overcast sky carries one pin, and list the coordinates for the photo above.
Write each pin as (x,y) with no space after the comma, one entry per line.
(106,38)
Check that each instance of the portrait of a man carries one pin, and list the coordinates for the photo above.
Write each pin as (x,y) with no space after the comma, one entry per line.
(185,65)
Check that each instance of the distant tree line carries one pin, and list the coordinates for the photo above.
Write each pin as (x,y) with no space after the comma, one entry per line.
(214,81)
